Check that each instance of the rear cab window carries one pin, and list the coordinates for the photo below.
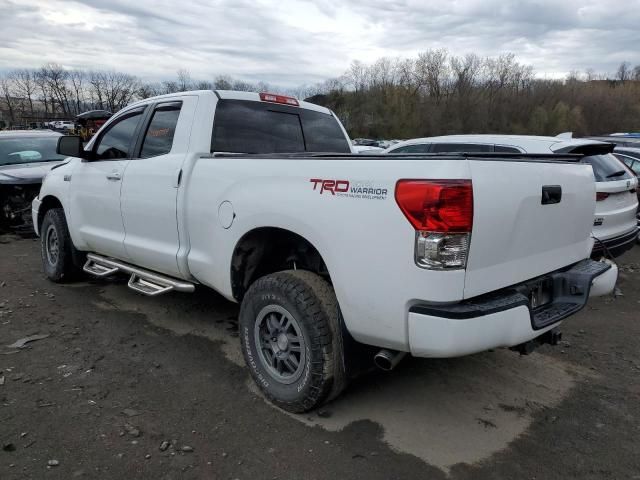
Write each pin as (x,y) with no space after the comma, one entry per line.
(243,126)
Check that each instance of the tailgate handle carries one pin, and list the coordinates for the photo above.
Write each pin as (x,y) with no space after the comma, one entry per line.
(551,194)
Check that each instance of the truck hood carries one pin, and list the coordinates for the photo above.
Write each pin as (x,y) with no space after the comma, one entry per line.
(25,173)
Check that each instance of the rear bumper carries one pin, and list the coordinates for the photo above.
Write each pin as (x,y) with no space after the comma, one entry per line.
(616,246)
(505,318)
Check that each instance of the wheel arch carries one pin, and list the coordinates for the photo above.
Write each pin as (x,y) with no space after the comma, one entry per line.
(48,202)
(265,250)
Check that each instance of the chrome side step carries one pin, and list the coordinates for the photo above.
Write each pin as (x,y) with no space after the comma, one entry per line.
(142,281)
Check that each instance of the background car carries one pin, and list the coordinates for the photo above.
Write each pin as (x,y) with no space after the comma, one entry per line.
(615,227)
(619,139)
(366,149)
(631,158)
(25,158)
(64,125)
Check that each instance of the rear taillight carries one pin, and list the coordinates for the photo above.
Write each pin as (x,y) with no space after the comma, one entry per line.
(441,211)
(273,98)
(600,196)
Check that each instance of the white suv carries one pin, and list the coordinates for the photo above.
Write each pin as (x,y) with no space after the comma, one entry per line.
(64,125)
(615,226)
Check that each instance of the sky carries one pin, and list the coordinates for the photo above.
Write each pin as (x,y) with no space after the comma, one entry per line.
(291,43)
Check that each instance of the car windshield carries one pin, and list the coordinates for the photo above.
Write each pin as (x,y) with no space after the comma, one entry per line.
(28,150)
(607,168)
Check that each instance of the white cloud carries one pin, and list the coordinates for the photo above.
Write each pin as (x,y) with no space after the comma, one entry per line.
(291,42)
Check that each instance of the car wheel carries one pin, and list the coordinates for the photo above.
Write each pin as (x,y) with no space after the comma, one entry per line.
(60,259)
(292,339)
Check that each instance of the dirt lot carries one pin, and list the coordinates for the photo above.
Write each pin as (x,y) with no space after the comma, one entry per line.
(125,386)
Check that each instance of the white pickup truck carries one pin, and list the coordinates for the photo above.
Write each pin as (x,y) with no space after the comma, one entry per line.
(332,255)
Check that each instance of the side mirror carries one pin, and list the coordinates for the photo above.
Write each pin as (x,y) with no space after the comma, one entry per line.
(71,146)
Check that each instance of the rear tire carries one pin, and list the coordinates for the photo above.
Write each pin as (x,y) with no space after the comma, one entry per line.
(60,259)
(292,339)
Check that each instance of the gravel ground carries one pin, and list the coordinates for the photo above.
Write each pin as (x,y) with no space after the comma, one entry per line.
(115,385)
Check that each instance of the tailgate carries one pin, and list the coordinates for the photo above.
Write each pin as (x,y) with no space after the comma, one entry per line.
(515,235)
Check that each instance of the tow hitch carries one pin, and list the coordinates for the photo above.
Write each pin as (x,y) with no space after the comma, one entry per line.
(552,337)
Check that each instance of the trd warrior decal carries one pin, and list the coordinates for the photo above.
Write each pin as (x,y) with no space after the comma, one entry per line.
(352,189)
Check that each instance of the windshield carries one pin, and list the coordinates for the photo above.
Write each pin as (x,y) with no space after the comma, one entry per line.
(29,149)
(607,168)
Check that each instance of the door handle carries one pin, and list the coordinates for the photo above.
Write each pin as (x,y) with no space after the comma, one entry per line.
(551,194)
(115,176)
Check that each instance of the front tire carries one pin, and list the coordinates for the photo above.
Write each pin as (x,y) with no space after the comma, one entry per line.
(292,339)
(59,256)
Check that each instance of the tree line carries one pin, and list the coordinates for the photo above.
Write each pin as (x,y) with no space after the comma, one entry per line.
(55,92)
(438,93)
(434,93)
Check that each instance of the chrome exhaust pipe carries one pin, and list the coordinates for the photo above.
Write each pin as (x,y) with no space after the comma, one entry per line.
(387,359)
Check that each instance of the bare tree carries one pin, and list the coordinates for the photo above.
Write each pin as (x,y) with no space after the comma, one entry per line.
(357,76)
(203,85)
(184,81)
(77,78)
(25,86)
(113,90)
(40,79)
(624,72)
(223,82)
(119,89)
(6,88)
(56,77)
(242,86)
(431,71)
(465,72)
(97,81)
(147,90)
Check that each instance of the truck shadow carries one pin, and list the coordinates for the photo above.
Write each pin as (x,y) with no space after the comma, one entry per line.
(444,411)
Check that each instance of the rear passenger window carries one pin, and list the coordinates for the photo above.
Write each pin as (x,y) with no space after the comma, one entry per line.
(505,149)
(416,148)
(159,137)
(242,126)
(239,127)
(460,147)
